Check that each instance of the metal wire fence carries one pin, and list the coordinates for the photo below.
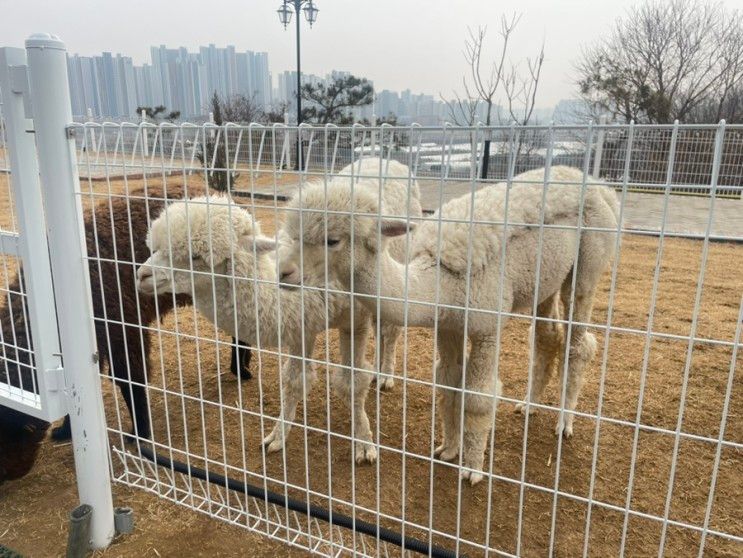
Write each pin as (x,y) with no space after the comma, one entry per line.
(653,462)
(453,152)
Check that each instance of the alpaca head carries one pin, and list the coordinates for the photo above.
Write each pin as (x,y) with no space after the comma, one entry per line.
(193,239)
(328,224)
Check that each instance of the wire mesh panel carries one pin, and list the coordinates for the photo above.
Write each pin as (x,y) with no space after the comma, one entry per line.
(31,379)
(17,379)
(486,287)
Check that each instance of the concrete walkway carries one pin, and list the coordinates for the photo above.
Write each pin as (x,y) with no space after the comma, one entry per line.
(686,215)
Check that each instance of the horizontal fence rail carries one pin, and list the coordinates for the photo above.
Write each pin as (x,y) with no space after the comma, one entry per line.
(453,153)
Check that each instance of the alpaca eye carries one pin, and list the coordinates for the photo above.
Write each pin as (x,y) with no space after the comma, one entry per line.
(332,242)
(195,257)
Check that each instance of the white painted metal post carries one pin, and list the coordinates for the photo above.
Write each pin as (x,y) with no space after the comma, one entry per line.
(145,146)
(373,150)
(50,98)
(599,148)
(287,142)
(93,142)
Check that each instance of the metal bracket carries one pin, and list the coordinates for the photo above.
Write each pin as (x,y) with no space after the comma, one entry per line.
(19,85)
(55,379)
(9,243)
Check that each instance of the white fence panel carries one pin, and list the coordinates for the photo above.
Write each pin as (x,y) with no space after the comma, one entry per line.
(32,380)
(651,464)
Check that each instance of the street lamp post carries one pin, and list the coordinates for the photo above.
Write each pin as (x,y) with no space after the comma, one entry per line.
(285,17)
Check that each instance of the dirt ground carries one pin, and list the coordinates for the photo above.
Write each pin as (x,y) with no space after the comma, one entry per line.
(188,413)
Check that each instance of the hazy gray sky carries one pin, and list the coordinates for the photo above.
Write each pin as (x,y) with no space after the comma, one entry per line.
(398,44)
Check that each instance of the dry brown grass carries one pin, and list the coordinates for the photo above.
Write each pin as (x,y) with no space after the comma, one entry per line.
(31,506)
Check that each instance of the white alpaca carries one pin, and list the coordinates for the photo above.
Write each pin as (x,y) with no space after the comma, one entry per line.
(224,247)
(446,259)
(401,197)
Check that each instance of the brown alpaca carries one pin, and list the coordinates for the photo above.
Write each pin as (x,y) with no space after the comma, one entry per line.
(125,346)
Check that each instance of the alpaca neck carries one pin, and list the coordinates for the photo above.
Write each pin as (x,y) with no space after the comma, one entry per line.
(419,286)
(218,297)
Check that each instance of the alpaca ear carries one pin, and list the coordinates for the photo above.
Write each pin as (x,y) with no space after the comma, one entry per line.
(396,227)
(263,244)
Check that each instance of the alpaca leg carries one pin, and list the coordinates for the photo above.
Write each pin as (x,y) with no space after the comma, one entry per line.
(389,334)
(479,407)
(352,386)
(448,378)
(548,340)
(295,384)
(582,349)
(63,432)
(128,365)
(240,359)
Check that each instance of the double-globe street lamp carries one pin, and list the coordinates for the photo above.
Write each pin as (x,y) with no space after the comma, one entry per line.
(285,16)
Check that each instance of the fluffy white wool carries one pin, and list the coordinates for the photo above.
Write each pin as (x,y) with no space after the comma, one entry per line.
(234,284)
(437,272)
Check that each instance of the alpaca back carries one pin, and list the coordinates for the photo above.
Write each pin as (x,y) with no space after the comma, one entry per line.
(480,241)
(115,233)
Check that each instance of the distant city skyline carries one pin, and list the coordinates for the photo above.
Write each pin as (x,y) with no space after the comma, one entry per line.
(398,45)
(112,85)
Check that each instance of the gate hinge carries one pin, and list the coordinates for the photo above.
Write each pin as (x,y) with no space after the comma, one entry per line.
(55,380)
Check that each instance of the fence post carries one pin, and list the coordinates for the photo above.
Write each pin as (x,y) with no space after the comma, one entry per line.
(145,147)
(599,148)
(50,98)
(287,146)
(93,141)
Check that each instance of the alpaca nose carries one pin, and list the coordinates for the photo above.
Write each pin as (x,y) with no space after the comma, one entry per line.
(144,272)
(289,274)
(145,279)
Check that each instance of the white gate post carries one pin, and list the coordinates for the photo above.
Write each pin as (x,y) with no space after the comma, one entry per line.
(50,99)
(92,131)
(599,153)
(145,147)
(287,145)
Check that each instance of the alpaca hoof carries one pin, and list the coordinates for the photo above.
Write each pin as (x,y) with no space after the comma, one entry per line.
(365,453)
(274,441)
(386,384)
(274,446)
(242,375)
(445,453)
(472,476)
(63,432)
(521,409)
(564,427)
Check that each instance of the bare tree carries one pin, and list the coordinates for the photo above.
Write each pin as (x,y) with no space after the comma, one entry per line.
(483,85)
(521,95)
(242,109)
(664,61)
(463,110)
(276,114)
(486,85)
(213,153)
